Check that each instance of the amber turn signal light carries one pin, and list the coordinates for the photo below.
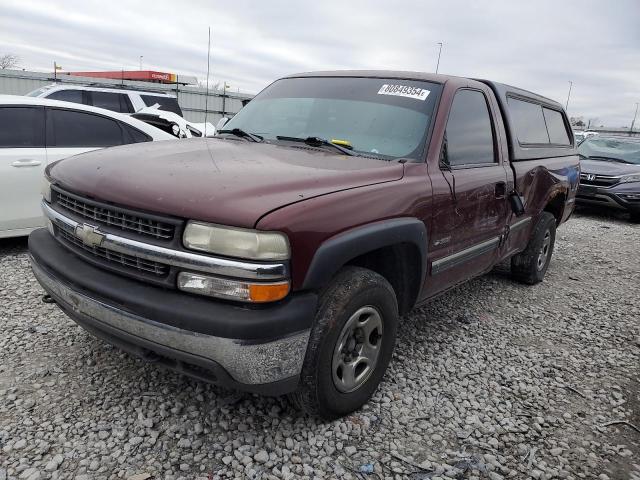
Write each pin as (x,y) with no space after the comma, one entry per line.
(232,289)
(270,292)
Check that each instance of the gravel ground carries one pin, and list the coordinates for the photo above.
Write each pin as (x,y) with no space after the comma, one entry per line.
(492,380)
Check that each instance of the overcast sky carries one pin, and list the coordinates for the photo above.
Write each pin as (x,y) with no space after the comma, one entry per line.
(538,45)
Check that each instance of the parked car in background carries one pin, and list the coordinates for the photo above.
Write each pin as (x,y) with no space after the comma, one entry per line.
(158,109)
(579,136)
(36,132)
(610,173)
(278,256)
(116,99)
(173,123)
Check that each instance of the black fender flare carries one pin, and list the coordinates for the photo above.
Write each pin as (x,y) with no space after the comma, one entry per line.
(335,252)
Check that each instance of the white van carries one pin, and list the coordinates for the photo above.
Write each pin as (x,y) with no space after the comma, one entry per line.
(114,99)
(158,109)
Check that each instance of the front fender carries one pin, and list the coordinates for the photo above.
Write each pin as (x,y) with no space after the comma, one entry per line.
(335,252)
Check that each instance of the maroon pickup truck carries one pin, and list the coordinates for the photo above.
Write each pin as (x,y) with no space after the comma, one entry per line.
(278,256)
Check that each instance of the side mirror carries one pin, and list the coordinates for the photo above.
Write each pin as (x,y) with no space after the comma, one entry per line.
(221,123)
(517,204)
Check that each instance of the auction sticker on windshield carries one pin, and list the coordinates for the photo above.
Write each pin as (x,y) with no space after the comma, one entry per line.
(404,91)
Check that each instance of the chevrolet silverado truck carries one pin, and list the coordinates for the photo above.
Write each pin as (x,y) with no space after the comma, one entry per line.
(278,256)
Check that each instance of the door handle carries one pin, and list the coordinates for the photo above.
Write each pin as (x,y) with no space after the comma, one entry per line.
(26,162)
(500,190)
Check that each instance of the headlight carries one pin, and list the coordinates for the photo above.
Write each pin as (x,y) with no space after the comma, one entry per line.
(236,242)
(630,178)
(243,291)
(46,189)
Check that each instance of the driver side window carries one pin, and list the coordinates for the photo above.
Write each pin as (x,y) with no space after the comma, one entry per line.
(469,133)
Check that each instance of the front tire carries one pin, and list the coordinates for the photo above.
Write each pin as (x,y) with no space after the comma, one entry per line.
(350,345)
(530,265)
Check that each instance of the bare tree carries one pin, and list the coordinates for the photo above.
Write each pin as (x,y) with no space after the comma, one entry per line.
(576,121)
(9,61)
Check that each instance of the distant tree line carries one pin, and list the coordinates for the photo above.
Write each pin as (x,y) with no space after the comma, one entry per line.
(9,61)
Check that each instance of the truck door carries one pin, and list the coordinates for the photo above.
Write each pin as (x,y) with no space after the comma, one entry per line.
(470,206)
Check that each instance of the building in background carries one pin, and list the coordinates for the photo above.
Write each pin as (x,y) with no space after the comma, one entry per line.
(192,99)
(140,76)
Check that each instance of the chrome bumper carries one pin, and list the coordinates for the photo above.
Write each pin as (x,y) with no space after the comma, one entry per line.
(246,362)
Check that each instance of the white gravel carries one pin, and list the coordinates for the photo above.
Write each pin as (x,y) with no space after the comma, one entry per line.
(492,380)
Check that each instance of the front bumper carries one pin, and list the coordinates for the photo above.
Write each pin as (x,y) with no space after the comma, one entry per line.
(620,196)
(252,349)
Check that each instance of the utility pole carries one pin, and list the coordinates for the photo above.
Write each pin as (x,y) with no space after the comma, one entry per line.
(141,62)
(569,95)
(56,67)
(439,53)
(224,97)
(634,120)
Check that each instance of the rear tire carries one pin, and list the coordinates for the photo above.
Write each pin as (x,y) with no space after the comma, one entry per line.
(350,345)
(634,217)
(530,265)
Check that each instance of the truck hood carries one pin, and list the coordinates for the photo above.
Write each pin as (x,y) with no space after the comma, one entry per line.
(601,167)
(226,181)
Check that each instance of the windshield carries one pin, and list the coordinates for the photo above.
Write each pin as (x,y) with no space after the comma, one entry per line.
(386,118)
(611,148)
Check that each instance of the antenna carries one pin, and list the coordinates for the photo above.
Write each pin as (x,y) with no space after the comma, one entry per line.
(206,97)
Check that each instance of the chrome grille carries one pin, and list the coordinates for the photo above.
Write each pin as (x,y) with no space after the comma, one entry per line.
(124,260)
(115,218)
(598,180)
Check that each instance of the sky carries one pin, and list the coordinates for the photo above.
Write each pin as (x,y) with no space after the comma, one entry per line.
(538,45)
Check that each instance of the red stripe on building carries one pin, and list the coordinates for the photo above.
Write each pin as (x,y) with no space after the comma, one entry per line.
(139,75)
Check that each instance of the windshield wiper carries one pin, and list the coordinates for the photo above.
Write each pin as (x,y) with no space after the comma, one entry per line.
(317,142)
(608,159)
(238,132)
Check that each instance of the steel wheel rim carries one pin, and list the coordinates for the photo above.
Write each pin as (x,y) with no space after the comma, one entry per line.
(543,254)
(357,350)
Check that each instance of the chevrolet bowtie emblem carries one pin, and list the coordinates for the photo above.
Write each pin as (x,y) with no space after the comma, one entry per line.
(89,235)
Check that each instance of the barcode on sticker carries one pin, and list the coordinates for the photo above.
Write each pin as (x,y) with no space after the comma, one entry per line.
(404,91)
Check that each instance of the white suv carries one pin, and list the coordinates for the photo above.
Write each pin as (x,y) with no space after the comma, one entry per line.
(114,99)
(35,132)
